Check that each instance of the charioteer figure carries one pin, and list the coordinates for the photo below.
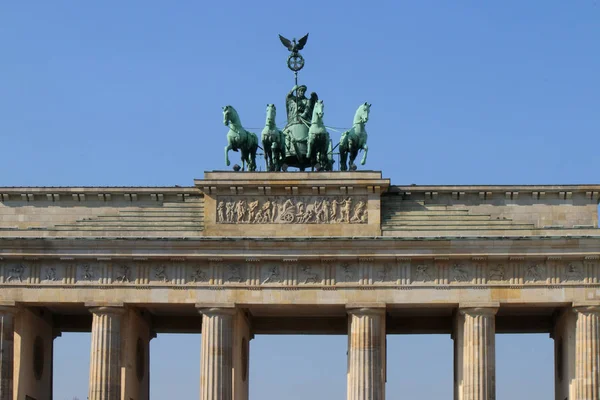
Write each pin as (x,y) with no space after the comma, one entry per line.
(299,108)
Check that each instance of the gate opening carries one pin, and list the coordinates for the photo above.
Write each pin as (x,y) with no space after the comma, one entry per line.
(175,366)
(71,365)
(524,366)
(298,367)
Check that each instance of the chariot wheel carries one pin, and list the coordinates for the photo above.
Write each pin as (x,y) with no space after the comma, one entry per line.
(288,217)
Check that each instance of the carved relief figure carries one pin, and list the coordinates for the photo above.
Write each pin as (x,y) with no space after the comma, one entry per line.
(50,274)
(534,272)
(325,205)
(240,209)
(348,272)
(221,211)
(573,272)
(334,210)
(88,272)
(235,275)
(16,273)
(497,273)
(423,273)
(198,276)
(229,211)
(124,275)
(160,273)
(459,273)
(346,205)
(252,206)
(273,275)
(384,273)
(359,211)
(310,276)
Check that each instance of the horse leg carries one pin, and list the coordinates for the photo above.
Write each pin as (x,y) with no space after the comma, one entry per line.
(227,148)
(353,154)
(275,157)
(268,154)
(252,156)
(364,159)
(343,159)
(311,140)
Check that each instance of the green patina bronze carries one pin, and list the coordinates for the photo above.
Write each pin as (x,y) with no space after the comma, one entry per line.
(355,139)
(273,141)
(319,151)
(304,142)
(239,139)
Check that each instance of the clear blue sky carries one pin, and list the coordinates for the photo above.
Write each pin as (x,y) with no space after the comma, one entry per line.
(130,93)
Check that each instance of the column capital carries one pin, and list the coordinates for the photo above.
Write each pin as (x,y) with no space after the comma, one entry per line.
(216,309)
(107,310)
(366,308)
(478,309)
(586,308)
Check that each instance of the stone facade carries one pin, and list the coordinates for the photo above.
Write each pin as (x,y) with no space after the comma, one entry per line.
(241,254)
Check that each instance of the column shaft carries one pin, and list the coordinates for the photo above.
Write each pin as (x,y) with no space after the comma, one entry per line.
(6,353)
(216,354)
(478,354)
(105,360)
(587,353)
(366,354)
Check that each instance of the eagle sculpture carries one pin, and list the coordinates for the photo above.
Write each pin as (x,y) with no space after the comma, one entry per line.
(294,46)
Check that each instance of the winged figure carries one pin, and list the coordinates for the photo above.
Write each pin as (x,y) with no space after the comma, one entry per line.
(294,46)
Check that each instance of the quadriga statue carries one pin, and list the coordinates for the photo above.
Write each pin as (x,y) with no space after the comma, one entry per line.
(239,139)
(355,139)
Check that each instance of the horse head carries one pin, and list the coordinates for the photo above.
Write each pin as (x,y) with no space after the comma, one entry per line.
(230,116)
(271,113)
(362,113)
(318,112)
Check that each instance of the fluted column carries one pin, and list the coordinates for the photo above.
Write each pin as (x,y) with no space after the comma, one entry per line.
(7,323)
(587,353)
(478,353)
(366,353)
(216,357)
(105,360)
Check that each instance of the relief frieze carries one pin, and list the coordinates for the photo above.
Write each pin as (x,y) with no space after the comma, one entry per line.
(16,273)
(292,210)
(273,275)
(535,273)
(123,274)
(199,275)
(330,273)
(309,275)
(460,273)
(385,273)
(497,273)
(574,272)
(50,274)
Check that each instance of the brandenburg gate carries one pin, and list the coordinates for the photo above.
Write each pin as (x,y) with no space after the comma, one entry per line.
(245,253)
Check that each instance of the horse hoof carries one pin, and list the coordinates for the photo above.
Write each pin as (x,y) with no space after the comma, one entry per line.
(236,168)
(353,167)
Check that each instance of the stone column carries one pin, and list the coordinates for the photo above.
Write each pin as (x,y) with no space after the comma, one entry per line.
(33,349)
(587,353)
(135,355)
(366,353)
(105,359)
(216,358)
(7,315)
(475,341)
